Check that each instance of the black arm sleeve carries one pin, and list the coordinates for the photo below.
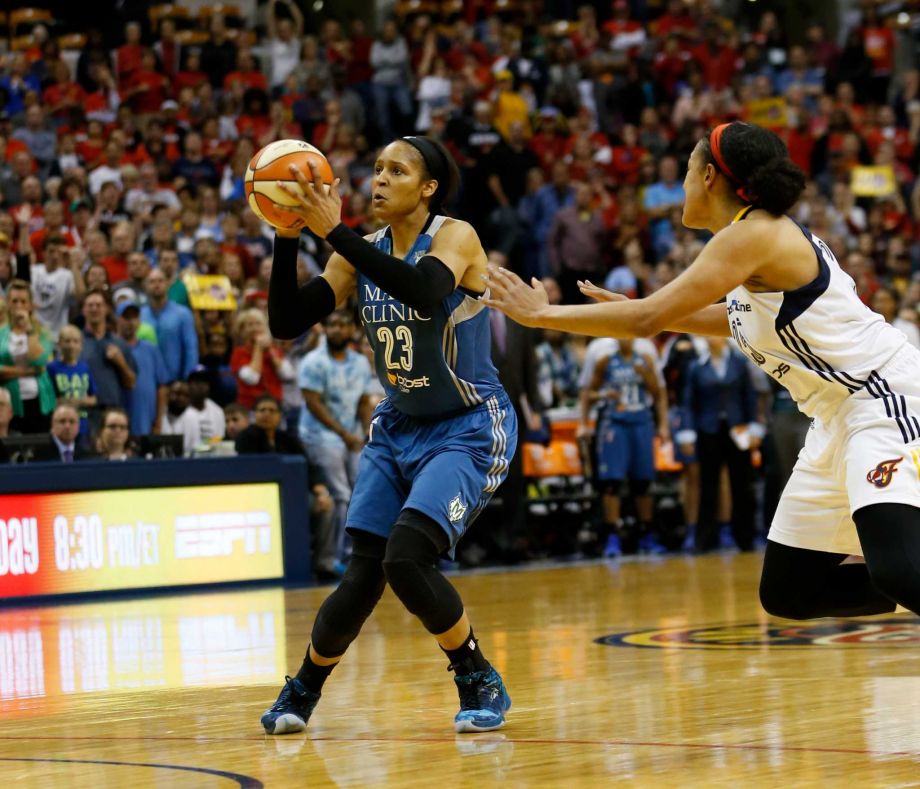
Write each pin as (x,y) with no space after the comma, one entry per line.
(292,309)
(422,286)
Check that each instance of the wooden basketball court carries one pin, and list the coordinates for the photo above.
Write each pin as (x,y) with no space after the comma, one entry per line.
(693,686)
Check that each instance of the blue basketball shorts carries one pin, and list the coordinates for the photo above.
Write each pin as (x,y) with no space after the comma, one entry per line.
(446,469)
(625,449)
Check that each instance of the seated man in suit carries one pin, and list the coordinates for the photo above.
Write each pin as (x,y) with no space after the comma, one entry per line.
(65,427)
(264,436)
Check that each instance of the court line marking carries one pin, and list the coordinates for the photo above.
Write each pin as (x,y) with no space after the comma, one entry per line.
(434,740)
(243,781)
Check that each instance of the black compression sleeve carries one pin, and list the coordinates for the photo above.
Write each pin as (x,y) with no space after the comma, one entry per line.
(292,309)
(421,287)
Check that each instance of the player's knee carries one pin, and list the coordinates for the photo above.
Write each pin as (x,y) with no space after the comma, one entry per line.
(409,554)
(890,537)
(783,601)
(343,613)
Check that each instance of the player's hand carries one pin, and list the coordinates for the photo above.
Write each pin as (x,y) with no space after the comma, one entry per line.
(688,449)
(317,203)
(506,291)
(592,291)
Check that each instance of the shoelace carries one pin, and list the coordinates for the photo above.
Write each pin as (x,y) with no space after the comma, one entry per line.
(285,696)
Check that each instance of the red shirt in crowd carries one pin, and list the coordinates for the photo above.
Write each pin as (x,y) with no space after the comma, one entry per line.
(879,44)
(251,79)
(154,91)
(269,383)
(548,149)
(127,61)
(626,163)
(116,267)
(70,92)
(189,79)
(718,65)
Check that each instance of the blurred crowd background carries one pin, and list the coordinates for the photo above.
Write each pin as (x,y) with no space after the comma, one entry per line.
(134,277)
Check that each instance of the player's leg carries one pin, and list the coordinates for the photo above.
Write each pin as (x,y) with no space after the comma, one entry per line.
(375,505)
(411,567)
(812,534)
(709,451)
(612,466)
(455,467)
(741,479)
(641,476)
(890,537)
(799,583)
(337,624)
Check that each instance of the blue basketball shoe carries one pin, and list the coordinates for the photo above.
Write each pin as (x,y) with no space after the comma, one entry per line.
(483,701)
(292,710)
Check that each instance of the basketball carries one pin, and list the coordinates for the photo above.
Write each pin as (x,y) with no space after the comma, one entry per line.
(269,166)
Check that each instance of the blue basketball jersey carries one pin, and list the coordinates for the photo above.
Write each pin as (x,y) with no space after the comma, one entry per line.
(429,367)
(621,377)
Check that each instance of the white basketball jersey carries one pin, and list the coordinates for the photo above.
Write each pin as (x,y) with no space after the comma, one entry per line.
(819,341)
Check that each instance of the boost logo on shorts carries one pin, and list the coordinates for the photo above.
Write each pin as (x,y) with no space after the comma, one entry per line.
(881,475)
(891,632)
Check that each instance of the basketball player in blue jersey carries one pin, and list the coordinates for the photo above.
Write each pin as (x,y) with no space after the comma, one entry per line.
(440,442)
(855,489)
(621,383)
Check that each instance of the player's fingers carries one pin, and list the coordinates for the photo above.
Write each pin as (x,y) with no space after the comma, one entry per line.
(317,178)
(302,179)
(537,285)
(296,194)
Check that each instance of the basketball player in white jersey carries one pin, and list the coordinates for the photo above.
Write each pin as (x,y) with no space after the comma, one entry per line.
(856,486)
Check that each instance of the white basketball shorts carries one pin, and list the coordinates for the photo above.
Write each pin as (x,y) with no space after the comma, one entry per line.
(868,453)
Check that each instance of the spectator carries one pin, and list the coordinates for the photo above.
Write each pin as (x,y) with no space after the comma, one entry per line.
(335,381)
(661,198)
(209,415)
(112,443)
(176,291)
(178,419)
(110,360)
(135,284)
(194,168)
(116,264)
(236,420)
(557,373)
(284,35)
(549,200)
(258,365)
(25,350)
(39,139)
(71,376)
(6,413)
(267,436)
(576,244)
(390,61)
(885,302)
(146,402)
(65,446)
(56,283)
(174,326)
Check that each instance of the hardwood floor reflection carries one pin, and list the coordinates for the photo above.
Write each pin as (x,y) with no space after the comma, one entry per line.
(690,685)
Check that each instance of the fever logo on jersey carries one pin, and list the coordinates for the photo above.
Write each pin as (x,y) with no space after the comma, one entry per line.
(881,475)
(456,509)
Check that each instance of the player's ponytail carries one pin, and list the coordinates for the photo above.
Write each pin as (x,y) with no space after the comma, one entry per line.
(440,166)
(756,163)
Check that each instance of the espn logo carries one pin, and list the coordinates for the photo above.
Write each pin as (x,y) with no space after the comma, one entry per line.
(222,533)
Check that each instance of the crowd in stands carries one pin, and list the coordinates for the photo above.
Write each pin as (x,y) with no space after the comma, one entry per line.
(121,187)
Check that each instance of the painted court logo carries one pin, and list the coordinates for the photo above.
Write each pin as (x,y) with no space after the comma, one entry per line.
(827,633)
(881,475)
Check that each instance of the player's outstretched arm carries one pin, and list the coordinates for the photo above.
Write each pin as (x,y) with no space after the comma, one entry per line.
(711,321)
(729,259)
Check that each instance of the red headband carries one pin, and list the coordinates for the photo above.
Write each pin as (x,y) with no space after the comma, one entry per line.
(715,139)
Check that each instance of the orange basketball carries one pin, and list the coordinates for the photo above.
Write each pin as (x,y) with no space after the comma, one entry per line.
(269,166)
